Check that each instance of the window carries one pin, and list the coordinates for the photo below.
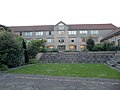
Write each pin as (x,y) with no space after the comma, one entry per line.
(82,46)
(72,47)
(49,33)
(72,32)
(28,33)
(61,27)
(20,33)
(61,32)
(94,31)
(119,42)
(61,40)
(83,32)
(50,47)
(72,39)
(39,33)
(49,40)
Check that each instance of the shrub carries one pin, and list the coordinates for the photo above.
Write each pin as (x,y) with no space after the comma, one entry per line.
(90,44)
(35,46)
(32,61)
(71,51)
(11,50)
(104,47)
(98,47)
(3,67)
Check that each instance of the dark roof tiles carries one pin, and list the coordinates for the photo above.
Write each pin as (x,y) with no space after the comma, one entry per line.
(92,26)
(70,26)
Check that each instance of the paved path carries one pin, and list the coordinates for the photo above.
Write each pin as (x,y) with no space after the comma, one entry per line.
(36,82)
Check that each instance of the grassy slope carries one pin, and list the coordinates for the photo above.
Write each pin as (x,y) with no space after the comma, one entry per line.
(72,70)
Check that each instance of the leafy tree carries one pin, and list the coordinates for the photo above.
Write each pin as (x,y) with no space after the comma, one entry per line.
(90,44)
(98,47)
(107,46)
(35,46)
(11,50)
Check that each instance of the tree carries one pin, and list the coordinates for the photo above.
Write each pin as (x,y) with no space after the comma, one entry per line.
(35,46)
(11,50)
(4,28)
(90,44)
(98,47)
(107,46)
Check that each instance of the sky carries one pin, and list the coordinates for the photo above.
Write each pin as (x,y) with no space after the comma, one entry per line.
(50,12)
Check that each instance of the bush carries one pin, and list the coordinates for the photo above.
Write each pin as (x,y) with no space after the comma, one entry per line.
(115,48)
(11,49)
(71,51)
(104,47)
(35,46)
(90,44)
(98,47)
(52,50)
(32,61)
(3,67)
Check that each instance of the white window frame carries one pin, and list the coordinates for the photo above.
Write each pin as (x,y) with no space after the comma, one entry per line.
(83,32)
(39,33)
(61,27)
(61,32)
(49,40)
(72,32)
(72,39)
(94,32)
(28,33)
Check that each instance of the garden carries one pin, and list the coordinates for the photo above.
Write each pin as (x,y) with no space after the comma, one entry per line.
(16,52)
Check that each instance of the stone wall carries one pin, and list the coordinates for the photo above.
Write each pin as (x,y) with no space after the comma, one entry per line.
(112,58)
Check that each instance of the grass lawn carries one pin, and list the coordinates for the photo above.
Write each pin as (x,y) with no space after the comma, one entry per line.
(69,70)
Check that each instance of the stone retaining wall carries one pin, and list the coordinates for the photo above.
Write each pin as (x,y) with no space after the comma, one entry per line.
(111,58)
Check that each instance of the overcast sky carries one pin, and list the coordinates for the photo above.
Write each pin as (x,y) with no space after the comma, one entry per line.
(50,12)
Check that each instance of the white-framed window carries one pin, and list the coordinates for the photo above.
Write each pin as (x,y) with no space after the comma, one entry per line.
(72,32)
(61,27)
(39,33)
(28,33)
(49,40)
(61,32)
(83,32)
(94,32)
(49,32)
(72,39)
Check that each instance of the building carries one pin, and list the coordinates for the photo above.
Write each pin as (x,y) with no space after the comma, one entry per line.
(65,36)
(113,37)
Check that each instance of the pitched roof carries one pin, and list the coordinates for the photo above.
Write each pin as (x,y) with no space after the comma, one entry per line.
(32,28)
(92,26)
(113,33)
(70,26)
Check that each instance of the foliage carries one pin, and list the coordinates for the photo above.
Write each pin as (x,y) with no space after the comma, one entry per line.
(70,70)
(104,47)
(115,48)
(107,46)
(11,50)
(85,50)
(52,50)
(35,46)
(98,47)
(3,67)
(32,61)
(71,51)
(90,44)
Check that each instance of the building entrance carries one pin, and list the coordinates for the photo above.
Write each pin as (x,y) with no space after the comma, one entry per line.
(61,47)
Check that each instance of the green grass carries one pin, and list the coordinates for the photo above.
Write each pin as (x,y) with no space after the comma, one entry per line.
(69,70)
